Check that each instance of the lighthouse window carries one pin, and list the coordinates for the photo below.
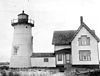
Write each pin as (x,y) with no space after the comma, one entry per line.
(26,26)
(15,50)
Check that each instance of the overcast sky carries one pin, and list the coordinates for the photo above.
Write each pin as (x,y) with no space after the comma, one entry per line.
(49,16)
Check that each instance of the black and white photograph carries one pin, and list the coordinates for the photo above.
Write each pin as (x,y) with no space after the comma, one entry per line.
(49,37)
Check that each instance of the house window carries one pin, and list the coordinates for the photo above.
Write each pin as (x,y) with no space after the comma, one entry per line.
(84,55)
(59,57)
(46,60)
(84,40)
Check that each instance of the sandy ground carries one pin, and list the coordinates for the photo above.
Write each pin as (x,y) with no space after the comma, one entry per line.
(58,74)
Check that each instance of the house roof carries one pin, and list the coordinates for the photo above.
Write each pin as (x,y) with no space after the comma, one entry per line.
(42,55)
(65,37)
(89,30)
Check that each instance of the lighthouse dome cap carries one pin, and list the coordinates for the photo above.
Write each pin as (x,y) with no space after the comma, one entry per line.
(23,13)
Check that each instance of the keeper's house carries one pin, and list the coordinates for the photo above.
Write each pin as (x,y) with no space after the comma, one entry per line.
(72,48)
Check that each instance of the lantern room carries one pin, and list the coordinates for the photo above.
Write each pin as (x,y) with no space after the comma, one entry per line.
(22,19)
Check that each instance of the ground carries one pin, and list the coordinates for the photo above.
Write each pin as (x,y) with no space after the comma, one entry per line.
(58,74)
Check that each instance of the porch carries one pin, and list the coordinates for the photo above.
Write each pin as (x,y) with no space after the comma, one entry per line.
(63,58)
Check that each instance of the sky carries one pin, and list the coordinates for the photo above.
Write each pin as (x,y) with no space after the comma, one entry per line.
(48,16)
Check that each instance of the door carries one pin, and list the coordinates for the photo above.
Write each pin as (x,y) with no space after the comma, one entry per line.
(67,58)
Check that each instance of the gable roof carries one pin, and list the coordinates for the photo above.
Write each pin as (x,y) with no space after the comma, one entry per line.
(62,37)
(88,29)
(65,37)
(42,55)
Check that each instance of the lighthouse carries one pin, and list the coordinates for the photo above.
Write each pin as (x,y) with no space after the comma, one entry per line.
(22,45)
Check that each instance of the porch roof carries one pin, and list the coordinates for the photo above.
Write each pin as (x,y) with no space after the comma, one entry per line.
(66,51)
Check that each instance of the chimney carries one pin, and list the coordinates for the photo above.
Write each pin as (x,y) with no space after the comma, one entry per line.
(81,20)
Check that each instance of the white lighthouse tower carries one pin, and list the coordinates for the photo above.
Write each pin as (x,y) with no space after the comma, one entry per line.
(22,42)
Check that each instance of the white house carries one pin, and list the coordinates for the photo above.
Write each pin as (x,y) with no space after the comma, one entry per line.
(72,48)
(76,48)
